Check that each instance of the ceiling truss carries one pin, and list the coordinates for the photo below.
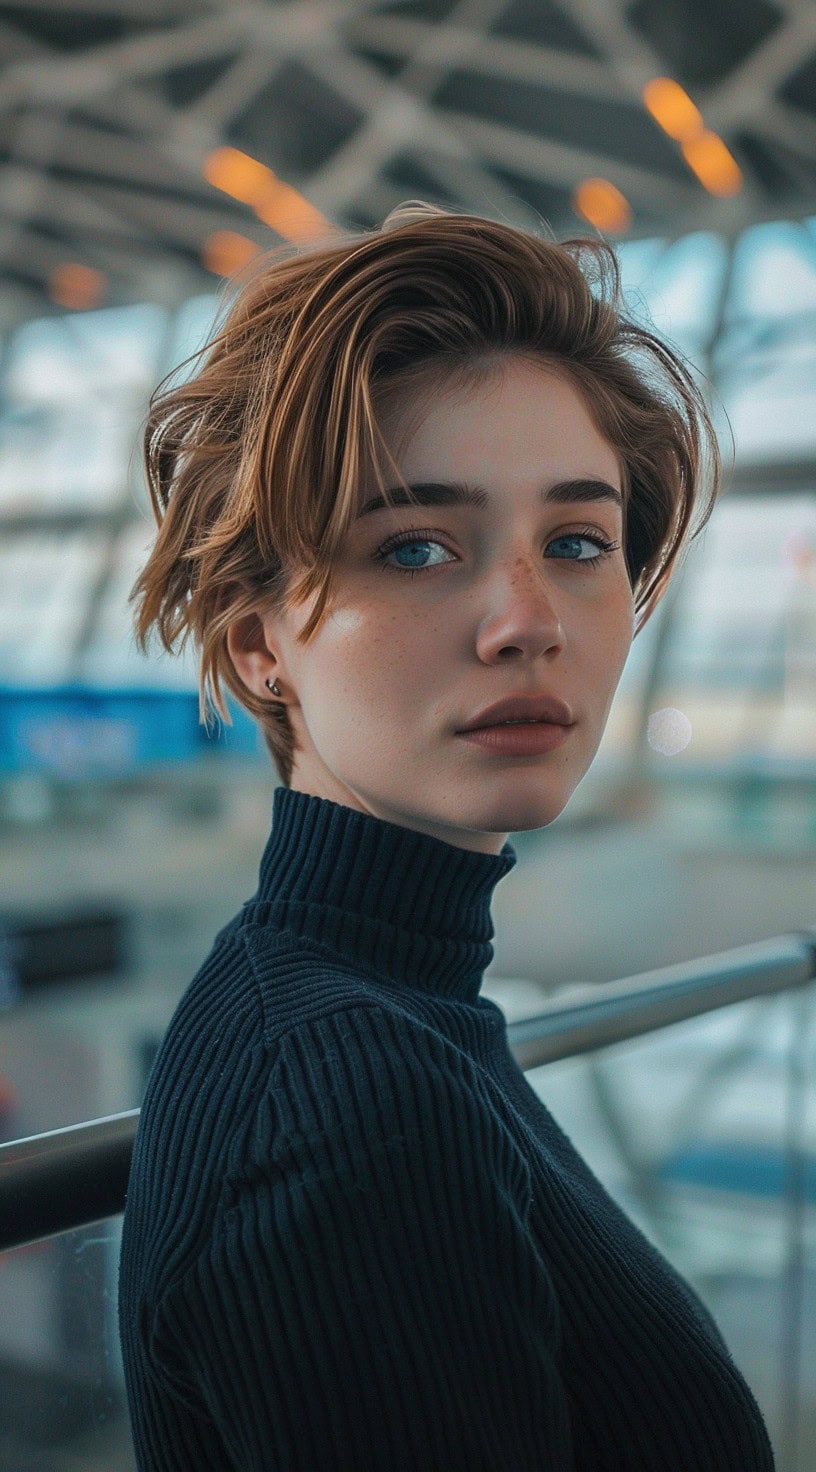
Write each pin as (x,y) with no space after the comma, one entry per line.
(108,109)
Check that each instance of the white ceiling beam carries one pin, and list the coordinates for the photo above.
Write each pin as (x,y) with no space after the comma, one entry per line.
(179,220)
(43,254)
(564,164)
(18,303)
(37,252)
(56,77)
(26,191)
(234,90)
(749,86)
(777,125)
(25,194)
(451,161)
(489,55)
(133,159)
(160,276)
(396,120)
(181,141)
(789,125)
(472,185)
(381,197)
(16,45)
(185,141)
(286,29)
(399,113)
(162,10)
(68,203)
(626,54)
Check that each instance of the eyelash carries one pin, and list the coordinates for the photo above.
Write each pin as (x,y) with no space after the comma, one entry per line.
(427,534)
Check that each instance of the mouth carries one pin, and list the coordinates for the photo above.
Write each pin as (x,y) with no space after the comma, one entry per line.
(517,738)
(495,724)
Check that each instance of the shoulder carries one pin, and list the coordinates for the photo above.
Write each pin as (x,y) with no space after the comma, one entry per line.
(299,981)
(366,1085)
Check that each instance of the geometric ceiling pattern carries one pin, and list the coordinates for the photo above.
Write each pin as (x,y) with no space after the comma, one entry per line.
(109,110)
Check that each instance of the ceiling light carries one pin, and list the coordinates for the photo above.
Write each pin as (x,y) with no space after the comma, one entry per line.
(225,252)
(74,285)
(602,205)
(290,214)
(672,109)
(237,174)
(716,168)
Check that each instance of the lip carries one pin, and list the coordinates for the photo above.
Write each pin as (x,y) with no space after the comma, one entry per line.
(522,707)
(518,741)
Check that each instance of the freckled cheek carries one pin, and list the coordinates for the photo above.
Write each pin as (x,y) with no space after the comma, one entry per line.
(368,649)
(608,651)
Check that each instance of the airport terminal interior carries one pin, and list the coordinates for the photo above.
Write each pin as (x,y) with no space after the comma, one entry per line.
(148,152)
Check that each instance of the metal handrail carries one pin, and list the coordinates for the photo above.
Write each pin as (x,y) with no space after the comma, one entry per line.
(76,1176)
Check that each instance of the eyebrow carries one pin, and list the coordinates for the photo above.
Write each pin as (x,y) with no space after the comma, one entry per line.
(454,493)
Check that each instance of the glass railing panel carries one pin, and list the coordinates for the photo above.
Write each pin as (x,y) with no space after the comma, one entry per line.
(62,1396)
(705,1133)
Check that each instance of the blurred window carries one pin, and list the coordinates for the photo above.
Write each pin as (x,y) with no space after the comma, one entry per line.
(740,663)
(674,289)
(46,585)
(73,392)
(766,358)
(191,328)
(110,656)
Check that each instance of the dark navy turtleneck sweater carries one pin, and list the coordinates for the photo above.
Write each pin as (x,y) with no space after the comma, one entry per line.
(356,1240)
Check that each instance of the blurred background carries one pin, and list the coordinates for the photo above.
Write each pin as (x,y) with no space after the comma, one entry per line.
(147,151)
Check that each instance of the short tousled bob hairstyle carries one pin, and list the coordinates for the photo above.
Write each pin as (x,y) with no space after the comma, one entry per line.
(254,463)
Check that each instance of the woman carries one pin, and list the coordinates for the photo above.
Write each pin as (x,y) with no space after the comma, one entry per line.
(420,488)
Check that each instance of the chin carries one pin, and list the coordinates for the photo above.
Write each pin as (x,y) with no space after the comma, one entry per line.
(528,822)
(522,814)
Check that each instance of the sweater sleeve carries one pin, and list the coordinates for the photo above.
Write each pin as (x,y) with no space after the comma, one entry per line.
(372,1299)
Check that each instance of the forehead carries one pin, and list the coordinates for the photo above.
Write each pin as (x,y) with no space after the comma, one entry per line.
(518,416)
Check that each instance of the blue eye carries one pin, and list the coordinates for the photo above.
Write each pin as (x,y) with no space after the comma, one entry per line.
(413,541)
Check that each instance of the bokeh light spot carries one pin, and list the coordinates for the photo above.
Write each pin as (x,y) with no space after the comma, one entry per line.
(669,731)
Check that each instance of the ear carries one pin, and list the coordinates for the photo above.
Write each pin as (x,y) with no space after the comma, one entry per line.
(250,653)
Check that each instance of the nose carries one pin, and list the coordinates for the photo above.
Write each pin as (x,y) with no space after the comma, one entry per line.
(523,608)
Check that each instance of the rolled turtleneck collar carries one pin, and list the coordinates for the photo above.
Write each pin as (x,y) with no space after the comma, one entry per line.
(379,895)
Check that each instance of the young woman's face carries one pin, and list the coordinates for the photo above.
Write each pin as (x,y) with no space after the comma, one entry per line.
(473,605)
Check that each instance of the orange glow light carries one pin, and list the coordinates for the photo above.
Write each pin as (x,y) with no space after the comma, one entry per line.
(274,202)
(599,202)
(290,214)
(237,174)
(672,109)
(76,286)
(225,252)
(716,168)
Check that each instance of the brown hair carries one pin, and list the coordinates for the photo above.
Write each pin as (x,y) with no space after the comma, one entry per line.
(254,463)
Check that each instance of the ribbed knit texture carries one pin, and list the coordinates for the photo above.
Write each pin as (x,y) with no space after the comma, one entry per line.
(356,1240)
